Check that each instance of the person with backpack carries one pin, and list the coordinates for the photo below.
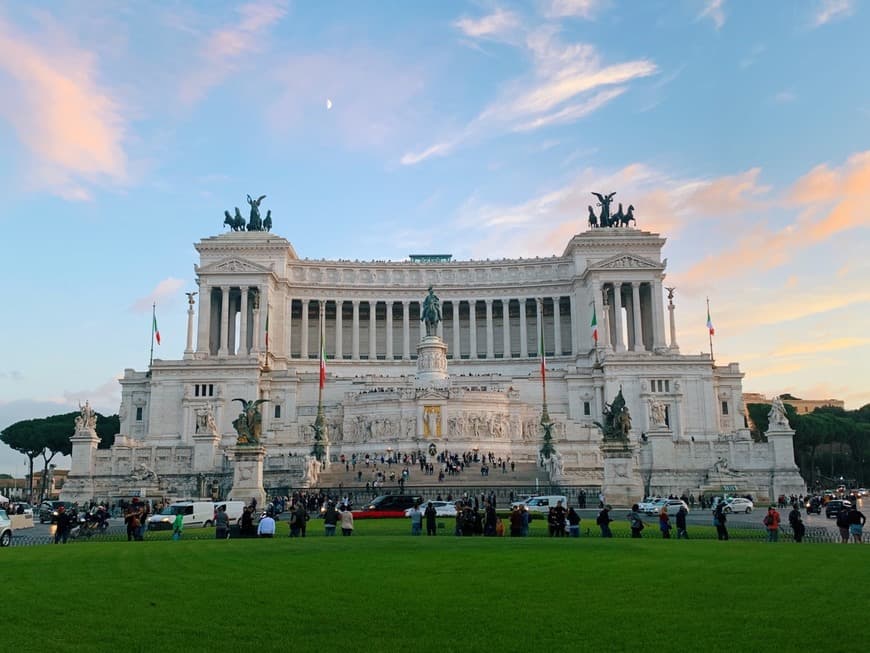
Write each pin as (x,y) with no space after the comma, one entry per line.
(681,523)
(796,523)
(719,521)
(635,522)
(603,520)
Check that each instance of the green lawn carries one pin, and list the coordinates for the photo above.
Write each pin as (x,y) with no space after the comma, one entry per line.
(382,590)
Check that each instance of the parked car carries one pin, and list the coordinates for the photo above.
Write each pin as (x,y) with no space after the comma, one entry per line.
(814,505)
(673,505)
(5,529)
(194,513)
(861,491)
(387,505)
(739,505)
(48,510)
(442,508)
(834,506)
(646,504)
(542,504)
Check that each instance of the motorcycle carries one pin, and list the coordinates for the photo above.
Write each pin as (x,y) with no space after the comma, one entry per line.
(88,525)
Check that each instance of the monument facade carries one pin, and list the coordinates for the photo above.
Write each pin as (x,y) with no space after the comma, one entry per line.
(456,366)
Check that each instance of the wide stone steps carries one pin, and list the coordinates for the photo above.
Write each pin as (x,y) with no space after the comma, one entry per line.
(524,474)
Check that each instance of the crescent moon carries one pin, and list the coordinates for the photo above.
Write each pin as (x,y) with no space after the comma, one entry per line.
(328,104)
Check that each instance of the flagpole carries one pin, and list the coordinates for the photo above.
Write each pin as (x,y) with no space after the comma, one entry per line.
(320,420)
(709,330)
(545,416)
(153,318)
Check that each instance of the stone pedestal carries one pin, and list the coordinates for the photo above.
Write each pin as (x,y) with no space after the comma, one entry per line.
(248,473)
(79,486)
(622,485)
(205,447)
(785,477)
(431,361)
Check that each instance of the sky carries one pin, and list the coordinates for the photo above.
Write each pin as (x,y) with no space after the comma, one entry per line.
(739,131)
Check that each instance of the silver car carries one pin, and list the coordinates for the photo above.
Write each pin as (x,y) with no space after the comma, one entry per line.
(5,529)
(442,508)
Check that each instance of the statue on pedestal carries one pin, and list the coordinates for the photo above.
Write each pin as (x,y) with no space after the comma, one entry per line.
(777,417)
(617,420)
(87,419)
(657,413)
(249,422)
(430,313)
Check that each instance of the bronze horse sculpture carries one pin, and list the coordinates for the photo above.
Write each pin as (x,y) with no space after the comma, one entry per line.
(237,223)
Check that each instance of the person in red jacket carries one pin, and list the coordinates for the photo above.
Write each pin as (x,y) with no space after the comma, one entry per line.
(771,522)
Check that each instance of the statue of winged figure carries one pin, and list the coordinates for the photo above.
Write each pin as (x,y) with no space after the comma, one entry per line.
(249,422)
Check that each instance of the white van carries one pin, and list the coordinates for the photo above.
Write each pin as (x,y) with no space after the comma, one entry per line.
(543,503)
(234,509)
(195,513)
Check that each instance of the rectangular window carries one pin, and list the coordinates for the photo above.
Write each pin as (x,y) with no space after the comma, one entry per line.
(196,390)
(277,412)
(211,390)
(724,407)
(587,408)
(138,413)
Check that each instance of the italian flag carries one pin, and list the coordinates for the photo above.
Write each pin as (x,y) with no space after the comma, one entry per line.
(154,327)
(594,325)
(322,362)
(710,323)
(541,352)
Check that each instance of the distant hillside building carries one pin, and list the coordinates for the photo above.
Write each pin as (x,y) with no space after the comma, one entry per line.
(801,406)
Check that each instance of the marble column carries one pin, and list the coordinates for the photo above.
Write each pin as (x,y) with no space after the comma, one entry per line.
(339,327)
(557,328)
(506,327)
(604,319)
(617,315)
(389,308)
(524,330)
(575,324)
(373,342)
(658,318)
(202,336)
(188,350)
(406,330)
(355,331)
(673,323)
(490,344)
(288,327)
(243,323)
(457,346)
(635,314)
(472,329)
(304,340)
(225,319)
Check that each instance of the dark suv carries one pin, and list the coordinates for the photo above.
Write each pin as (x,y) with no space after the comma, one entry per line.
(388,505)
(834,506)
(48,510)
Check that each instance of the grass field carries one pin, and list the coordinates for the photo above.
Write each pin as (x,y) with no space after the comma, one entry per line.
(382,590)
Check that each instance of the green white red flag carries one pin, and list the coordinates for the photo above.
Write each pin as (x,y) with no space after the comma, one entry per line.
(710,322)
(154,328)
(594,325)
(322,362)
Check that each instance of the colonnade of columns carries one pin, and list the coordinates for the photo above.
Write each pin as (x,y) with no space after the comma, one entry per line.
(633,315)
(391,329)
(230,323)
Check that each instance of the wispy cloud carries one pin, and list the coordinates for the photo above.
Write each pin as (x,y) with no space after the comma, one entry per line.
(69,123)
(784,97)
(224,49)
(558,91)
(586,9)
(163,290)
(715,11)
(830,10)
(495,25)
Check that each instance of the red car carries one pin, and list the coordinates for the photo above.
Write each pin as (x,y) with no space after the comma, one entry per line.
(388,505)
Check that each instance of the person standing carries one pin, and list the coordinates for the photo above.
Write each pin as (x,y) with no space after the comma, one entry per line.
(856,521)
(416,516)
(603,520)
(177,526)
(682,533)
(665,523)
(635,522)
(796,523)
(247,522)
(222,524)
(430,514)
(719,521)
(266,527)
(573,522)
(843,524)
(330,519)
(346,517)
(771,522)
(63,525)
